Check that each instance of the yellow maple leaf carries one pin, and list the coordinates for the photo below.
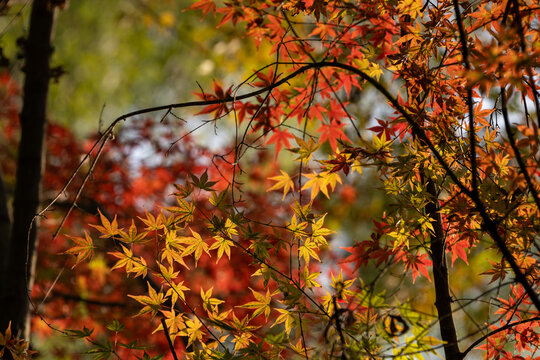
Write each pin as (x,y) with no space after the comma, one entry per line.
(260,305)
(175,323)
(84,249)
(209,302)
(321,182)
(195,245)
(308,251)
(133,264)
(223,246)
(152,303)
(283,181)
(194,330)
(109,228)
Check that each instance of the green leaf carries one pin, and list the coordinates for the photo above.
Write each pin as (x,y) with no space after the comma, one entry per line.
(102,351)
(133,345)
(183,191)
(115,326)
(85,332)
(218,199)
(147,357)
(202,182)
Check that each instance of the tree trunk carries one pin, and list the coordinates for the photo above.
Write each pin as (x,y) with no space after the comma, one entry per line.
(18,274)
(443,301)
(5,226)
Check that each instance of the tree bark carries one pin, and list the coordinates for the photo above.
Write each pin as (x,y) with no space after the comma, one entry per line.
(5,225)
(18,275)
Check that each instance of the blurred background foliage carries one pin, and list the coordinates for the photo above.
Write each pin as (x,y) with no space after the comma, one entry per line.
(126,55)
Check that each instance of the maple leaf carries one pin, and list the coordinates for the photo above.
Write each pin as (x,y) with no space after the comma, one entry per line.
(151,222)
(383,127)
(167,273)
(183,191)
(364,251)
(497,272)
(318,232)
(218,199)
(261,304)
(133,264)
(18,348)
(306,149)
(283,181)
(131,237)
(309,250)
(6,336)
(196,245)
(202,182)
(358,256)
(173,249)
(411,8)
(84,249)
(223,246)
(297,228)
(332,133)
(206,6)
(417,263)
(194,330)
(266,79)
(152,303)
(184,210)
(380,142)
(348,81)
(309,278)
(459,248)
(288,317)
(321,182)
(317,111)
(230,227)
(221,107)
(242,325)
(341,286)
(176,291)
(281,139)
(324,30)
(175,323)
(108,228)
(210,303)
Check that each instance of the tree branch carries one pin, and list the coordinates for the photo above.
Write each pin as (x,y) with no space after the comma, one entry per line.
(171,346)
(517,153)
(491,333)
(470,105)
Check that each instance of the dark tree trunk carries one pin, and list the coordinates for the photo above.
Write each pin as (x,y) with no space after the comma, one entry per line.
(18,269)
(5,225)
(443,301)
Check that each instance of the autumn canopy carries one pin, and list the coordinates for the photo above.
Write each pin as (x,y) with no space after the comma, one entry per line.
(370,192)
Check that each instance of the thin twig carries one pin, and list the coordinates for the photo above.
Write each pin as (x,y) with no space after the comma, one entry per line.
(171,346)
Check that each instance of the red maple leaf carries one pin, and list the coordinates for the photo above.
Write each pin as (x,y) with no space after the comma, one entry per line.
(417,263)
(280,138)
(205,6)
(332,132)
(219,108)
